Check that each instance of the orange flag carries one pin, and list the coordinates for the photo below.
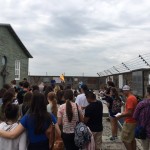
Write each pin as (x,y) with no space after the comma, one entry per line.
(62,78)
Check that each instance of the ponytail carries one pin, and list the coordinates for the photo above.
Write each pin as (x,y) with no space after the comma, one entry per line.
(54,107)
(69,111)
(68,96)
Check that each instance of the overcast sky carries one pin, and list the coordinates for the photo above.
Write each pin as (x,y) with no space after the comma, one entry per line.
(79,36)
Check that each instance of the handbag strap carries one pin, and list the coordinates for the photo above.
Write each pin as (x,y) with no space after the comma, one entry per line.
(78,112)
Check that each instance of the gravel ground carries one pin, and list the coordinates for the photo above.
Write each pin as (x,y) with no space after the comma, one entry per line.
(113,145)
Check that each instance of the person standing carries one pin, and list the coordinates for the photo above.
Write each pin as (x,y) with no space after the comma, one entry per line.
(20,143)
(68,118)
(81,98)
(93,118)
(115,108)
(129,125)
(141,114)
(22,92)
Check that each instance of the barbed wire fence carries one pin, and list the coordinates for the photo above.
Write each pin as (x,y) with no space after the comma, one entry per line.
(139,62)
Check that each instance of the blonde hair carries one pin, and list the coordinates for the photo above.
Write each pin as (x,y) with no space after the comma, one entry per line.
(56,89)
(52,98)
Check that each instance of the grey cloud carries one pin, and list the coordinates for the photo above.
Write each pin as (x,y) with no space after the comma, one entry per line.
(106,26)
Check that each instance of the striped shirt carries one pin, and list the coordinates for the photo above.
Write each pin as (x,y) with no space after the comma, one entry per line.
(68,127)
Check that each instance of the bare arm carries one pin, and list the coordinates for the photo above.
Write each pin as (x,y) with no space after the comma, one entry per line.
(13,133)
(57,129)
(125,114)
(59,121)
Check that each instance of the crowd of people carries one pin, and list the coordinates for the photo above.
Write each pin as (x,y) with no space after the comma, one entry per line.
(34,117)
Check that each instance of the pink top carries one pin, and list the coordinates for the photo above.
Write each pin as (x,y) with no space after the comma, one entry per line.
(68,127)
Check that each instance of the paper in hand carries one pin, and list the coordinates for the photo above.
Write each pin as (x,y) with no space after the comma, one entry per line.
(118,114)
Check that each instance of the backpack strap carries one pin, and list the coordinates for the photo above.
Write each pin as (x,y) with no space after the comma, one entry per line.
(78,112)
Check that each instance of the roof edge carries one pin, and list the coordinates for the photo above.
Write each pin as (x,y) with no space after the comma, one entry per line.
(11,30)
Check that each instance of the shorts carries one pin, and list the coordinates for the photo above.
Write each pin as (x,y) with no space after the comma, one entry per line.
(128,130)
(111,114)
(98,140)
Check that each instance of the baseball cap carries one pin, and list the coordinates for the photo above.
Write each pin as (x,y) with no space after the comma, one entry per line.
(126,88)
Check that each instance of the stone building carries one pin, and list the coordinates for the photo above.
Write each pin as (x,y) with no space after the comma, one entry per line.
(14,57)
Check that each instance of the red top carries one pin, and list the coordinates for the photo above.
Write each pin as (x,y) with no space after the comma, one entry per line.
(131,103)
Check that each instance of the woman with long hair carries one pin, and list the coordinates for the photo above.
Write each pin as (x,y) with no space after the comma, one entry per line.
(37,123)
(52,106)
(25,106)
(115,108)
(7,98)
(68,117)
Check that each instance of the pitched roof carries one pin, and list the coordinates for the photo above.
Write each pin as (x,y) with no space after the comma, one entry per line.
(10,29)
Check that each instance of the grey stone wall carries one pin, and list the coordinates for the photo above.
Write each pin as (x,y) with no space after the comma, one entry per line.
(91,82)
(10,49)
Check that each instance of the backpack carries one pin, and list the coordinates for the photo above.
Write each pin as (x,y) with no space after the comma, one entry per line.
(116,106)
(82,135)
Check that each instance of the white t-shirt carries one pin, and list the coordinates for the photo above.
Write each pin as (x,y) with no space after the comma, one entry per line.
(81,100)
(49,108)
(19,143)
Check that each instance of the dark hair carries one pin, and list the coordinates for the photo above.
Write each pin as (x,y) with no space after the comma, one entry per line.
(68,95)
(27,99)
(110,83)
(61,87)
(68,87)
(13,81)
(20,83)
(90,95)
(26,84)
(7,98)
(35,87)
(59,97)
(26,103)
(47,90)
(13,90)
(11,112)
(115,93)
(25,79)
(2,92)
(39,112)
(75,93)
(6,86)
(84,88)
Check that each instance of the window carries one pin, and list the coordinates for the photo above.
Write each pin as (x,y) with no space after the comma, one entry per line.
(17,70)
(120,81)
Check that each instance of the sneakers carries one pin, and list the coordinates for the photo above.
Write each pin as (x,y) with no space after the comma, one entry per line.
(113,138)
